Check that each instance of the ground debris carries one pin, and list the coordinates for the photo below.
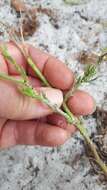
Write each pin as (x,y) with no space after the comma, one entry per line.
(100,139)
(29,23)
(28,14)
(18,5)
(87,57)
(101,114)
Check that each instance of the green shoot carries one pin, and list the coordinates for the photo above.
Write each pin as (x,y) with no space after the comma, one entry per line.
(89,73)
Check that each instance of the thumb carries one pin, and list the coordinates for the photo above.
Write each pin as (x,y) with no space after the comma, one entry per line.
(14,105)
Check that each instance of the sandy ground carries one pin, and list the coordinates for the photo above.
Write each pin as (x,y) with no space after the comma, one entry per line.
(78,28)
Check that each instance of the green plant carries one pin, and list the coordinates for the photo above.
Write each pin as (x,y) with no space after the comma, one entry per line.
(87,77)
(26,89)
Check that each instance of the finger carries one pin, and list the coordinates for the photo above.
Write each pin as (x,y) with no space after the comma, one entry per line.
(14,105)
(54,70)
(57,73)
(60,121)
(32,133)
(81,103)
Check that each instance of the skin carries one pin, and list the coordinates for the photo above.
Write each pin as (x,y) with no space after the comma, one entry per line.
(26,121)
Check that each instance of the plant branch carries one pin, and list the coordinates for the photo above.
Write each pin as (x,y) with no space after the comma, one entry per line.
(7,77)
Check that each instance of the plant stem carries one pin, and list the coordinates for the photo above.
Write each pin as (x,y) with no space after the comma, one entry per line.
(7,77)
(73,120)
(37,72)
(67,110)
(91,145)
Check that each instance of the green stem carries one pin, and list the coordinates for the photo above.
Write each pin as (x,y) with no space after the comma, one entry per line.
(91,145)
(7,77)
(37,72)
(29,91)
(67,110)
(73,120)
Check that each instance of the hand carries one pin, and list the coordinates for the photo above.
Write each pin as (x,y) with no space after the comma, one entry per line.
(26,121)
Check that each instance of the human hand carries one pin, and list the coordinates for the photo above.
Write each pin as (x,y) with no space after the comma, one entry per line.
(26,121)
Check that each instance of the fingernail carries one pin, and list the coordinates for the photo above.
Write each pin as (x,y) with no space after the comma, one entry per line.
(55,96)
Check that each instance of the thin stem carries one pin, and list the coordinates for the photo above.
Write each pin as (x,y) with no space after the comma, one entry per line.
(67,110)
(29,91)
(70,118)
(7,77)
(38,72)
(73,120)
